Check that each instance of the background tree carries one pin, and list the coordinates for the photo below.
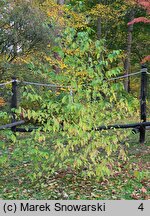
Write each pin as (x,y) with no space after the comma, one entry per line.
(23,30)
(146,5)
(127,64)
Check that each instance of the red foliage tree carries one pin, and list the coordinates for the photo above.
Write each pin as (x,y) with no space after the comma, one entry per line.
(139,19)
(145,4)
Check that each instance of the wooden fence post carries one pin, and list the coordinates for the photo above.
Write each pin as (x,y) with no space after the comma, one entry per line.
(14,101)
(143,102)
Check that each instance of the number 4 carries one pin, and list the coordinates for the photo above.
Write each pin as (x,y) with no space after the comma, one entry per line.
(141,207)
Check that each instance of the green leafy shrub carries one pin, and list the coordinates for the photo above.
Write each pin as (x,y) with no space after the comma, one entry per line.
(66,139)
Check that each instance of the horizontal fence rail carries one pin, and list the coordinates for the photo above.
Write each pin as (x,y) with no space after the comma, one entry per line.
(122,126)
(12,125)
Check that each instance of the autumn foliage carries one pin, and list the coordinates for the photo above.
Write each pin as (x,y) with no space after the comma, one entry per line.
(146,5)
(139,19)
(146,59)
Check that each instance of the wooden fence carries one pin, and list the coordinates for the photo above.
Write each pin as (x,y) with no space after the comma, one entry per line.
(138,127)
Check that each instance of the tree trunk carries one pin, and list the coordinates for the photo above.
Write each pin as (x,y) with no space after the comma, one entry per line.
(99,25)
(56,56)
(99,28)
(127,64)
(60,2)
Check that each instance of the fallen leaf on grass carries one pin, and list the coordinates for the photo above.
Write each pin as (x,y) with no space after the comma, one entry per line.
(143,190)
(94,195)
(135,196)
(113,192)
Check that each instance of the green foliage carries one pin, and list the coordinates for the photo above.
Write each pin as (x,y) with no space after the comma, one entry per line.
(26,26)
(68,140)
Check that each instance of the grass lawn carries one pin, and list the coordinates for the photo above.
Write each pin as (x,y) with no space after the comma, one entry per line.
(132,182)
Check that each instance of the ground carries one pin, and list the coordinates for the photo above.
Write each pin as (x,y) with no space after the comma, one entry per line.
(132,182)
